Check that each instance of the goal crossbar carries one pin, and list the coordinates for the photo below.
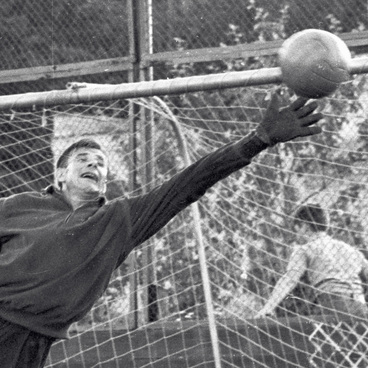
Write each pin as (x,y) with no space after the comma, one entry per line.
(105,92)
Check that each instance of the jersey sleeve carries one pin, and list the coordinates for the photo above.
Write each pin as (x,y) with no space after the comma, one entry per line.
(150,212)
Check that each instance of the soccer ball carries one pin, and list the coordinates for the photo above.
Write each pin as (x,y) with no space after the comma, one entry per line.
(314,63)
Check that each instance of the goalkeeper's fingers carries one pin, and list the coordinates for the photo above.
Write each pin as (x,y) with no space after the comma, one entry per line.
(274,105)
(310,119)
(309,130)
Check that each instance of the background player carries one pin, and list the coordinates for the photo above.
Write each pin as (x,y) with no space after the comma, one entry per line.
(333,269)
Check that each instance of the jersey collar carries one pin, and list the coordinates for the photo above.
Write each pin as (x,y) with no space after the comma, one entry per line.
(51,189)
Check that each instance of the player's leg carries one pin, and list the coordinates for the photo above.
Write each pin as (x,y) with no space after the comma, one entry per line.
(22,348)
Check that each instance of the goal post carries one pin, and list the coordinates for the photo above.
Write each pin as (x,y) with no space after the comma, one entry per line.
(101,92)
(246,237)
(84,92)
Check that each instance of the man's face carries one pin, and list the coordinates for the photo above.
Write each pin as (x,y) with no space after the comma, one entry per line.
(86,172)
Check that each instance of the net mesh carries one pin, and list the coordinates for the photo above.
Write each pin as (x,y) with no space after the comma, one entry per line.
(339,345)
(154,312)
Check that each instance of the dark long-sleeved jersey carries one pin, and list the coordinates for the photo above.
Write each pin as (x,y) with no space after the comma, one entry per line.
(56,262)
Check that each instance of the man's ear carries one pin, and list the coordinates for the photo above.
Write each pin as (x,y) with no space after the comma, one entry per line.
(60,174)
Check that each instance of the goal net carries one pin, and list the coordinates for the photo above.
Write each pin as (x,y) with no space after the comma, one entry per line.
(188,296)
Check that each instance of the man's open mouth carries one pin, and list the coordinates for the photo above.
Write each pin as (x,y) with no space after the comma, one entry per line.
(90,176)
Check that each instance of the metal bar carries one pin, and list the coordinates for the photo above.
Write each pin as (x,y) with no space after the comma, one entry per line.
(358,65)
(141,89)
(83,93)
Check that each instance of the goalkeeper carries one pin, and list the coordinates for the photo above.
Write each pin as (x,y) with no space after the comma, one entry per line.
(60,247)
(334,269)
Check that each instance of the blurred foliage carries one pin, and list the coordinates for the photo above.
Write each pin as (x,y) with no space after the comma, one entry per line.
(35,33)
(49,32)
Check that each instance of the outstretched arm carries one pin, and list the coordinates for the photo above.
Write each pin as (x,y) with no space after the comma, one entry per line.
(149,213)
(296,267)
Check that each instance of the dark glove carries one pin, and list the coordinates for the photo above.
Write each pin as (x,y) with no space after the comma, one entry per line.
(282,125)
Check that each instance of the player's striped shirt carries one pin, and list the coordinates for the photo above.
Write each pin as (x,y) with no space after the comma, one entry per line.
(332,265)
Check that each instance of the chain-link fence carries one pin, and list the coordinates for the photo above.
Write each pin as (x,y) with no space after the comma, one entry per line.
(45,44)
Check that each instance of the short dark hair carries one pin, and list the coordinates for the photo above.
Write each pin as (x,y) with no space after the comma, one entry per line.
(82,143)
(313,215)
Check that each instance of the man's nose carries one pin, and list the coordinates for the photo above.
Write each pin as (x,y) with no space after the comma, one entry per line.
(92,163)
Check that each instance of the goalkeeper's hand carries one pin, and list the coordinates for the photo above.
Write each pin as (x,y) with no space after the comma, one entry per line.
(282,125)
